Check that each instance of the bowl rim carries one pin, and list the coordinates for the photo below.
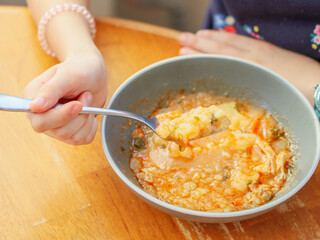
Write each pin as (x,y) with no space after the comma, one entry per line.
(260,209)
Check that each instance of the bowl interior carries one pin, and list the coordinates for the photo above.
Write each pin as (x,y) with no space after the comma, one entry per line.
(222,76)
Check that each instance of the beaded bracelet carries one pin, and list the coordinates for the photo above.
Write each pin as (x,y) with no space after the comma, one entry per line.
(317,100)
(67,7)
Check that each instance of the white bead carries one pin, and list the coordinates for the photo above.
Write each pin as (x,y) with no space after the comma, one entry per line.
(59,8)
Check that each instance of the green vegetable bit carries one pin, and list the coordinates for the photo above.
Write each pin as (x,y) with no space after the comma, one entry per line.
(225,177)
(277,133)
(197,118)
(180,148)
(164,104)
(213,118)
(290,168)
(138,142)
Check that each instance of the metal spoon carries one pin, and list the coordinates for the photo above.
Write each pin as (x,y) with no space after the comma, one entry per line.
(17,104)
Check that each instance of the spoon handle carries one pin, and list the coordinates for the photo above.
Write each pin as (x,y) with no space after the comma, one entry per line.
(15,104)
(18,104)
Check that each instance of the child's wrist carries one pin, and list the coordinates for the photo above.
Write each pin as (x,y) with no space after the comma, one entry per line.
(88,49)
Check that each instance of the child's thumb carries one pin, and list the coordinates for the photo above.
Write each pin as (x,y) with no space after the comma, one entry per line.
(48,95)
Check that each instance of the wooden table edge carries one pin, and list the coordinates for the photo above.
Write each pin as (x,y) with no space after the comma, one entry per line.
(141,27)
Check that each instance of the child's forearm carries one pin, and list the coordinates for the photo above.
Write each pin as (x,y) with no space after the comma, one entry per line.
(67,33)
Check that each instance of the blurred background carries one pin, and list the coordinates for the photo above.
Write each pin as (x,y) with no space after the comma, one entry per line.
(184,15)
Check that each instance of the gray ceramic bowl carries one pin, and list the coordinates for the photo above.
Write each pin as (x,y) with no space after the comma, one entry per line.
(223,75)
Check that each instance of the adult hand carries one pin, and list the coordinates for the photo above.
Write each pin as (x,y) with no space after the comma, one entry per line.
(79,81)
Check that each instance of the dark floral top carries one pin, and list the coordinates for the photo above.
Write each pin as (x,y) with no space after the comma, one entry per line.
(290,24)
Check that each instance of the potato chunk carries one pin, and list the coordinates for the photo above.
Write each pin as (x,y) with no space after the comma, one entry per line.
(196,123)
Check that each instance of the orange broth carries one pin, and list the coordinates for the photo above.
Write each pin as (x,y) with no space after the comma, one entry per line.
(239,168)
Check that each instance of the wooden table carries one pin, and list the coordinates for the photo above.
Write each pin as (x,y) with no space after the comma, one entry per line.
(50,190)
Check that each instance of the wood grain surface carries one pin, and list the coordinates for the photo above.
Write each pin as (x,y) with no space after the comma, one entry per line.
(50,190)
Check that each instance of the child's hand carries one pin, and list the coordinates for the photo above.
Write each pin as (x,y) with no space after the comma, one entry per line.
(79,80)
(302,71)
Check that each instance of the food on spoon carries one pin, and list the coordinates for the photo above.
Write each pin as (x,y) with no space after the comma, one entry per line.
(196,123)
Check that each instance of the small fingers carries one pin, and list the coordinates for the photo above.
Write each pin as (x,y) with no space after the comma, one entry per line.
(233,39)
(201,44)
(86,133)
(188,51)
(60,85)
(58,117)
(206,45)
(32,88)
(55,118)
(66,131)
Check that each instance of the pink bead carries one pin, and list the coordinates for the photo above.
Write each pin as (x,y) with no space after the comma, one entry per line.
(52,11)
